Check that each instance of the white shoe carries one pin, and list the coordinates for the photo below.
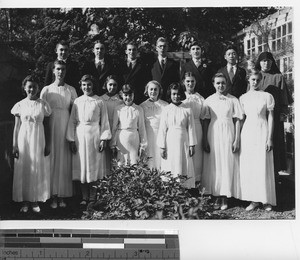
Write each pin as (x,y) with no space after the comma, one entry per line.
(252,206)
(224,204)
(267,207)
(24,208)
(53,204)
(62,204)
(35,207)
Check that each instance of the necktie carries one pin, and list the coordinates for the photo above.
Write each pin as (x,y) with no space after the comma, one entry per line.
(163,63)
(231,74)
(130,66)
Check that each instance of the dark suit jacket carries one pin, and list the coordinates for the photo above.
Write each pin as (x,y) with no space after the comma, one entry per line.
(166,77)
(89,67)
(203,75)
(72,76)
(239,84)
(138,77)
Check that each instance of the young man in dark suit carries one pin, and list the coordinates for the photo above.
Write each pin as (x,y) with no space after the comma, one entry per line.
(72,76)
(235,76)
(135,72)
(100,67)
(201,69)
(164,70)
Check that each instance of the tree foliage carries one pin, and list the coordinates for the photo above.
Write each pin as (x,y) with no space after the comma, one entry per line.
(33,33)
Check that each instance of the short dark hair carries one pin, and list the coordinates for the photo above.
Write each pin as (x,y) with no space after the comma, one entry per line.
(231,47)
(88,77)
(218,75)
(30,78)
(108,78)
(58,62)
(175,86)
(64,43)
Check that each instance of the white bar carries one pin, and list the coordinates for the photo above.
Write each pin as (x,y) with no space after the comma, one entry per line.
(144,241)
(171,232)
(103,245)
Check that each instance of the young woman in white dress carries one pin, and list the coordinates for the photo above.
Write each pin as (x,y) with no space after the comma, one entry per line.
(195,101)
(256,158)
(60,97)
(112,99)
(88,131)
(221,140)
(31,181)
(129,138)
(177,136)
(153,107)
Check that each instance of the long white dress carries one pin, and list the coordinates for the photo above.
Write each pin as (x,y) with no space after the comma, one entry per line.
(256,164)
(152,112)
(31,180)
(176,133)
(60,99)
(221,166)
(129,133)
(111,103)
(88,124)
(195,102)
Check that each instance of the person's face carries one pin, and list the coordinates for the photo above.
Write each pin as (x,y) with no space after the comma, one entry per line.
(62,52)
(131,52)
(31,89)
(153,91)
(220,85)
(111,86)
(175,96)
(265,65)
(162,48)
(87,87)
(195,52)
(99,50)
(190,83)
(127,98)
(59,71)
(253,81)
(231,56)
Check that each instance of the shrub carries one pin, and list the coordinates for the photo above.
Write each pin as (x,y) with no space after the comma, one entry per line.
(137,192)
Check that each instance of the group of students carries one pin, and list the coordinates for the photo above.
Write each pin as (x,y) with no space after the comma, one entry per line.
(222,140)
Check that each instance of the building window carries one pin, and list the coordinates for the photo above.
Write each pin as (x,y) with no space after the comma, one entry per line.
(281,36)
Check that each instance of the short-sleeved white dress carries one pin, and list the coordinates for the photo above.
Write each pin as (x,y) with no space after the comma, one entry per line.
(60,99)
(221,165)
(195,102)
(128,133)
(31,180)
(152,113)
(111,103)
(256,164)
(176,133)
(88,125)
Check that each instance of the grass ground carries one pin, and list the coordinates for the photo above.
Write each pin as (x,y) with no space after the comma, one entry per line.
(285,208)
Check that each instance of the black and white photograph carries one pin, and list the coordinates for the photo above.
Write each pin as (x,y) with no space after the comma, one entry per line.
(159,114)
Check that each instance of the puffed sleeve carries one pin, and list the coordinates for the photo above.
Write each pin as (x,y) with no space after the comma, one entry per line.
(73,94)
(72,124)
(206,110)
(163,129)
(47,108)
(270,102)
(191,128)
(43,94)
(142,129)
(105,133)
(241,99)
(237,110)
(114,127)
(16,109)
